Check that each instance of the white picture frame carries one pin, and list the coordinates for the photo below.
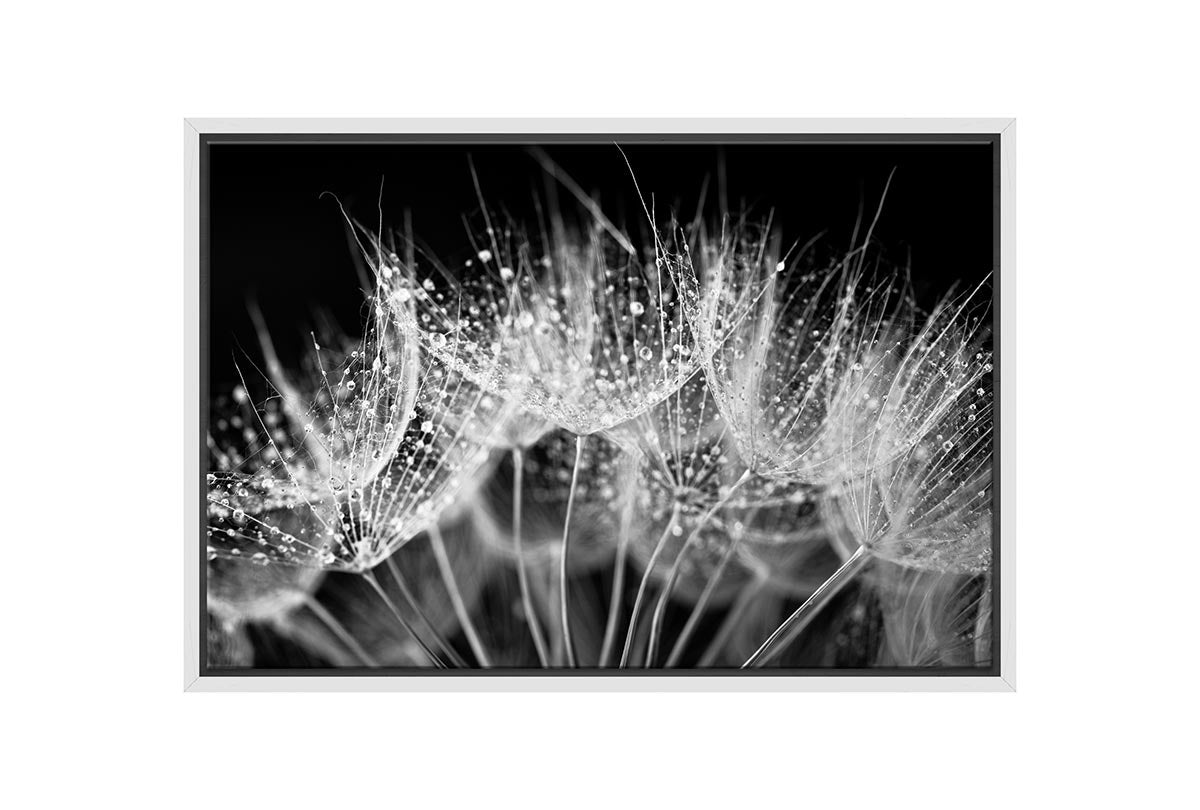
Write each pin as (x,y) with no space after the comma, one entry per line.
(195,132)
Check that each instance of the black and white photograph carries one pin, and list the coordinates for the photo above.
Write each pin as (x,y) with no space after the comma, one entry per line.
(600,404)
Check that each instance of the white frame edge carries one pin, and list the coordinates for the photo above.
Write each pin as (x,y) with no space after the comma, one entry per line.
(194,682)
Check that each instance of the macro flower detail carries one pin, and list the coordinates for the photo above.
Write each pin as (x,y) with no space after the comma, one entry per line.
(555,437)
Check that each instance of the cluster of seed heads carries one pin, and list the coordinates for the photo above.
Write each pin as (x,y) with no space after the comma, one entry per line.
(752,409)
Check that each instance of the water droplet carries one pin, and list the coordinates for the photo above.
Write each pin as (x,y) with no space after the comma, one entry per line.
(506,274)
(645,353)
(437,340)
(636,309)
(485,255)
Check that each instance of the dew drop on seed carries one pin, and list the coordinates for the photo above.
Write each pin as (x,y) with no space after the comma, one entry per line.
(636,309)
(506,274)
(485,255)
(947,445)
(437,340)
(427,426)
(645,353)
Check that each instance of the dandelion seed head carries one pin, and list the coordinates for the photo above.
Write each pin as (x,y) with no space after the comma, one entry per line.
(372,466)
(931,507)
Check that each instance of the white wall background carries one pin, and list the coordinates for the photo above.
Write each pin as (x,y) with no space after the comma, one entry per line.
(91,234)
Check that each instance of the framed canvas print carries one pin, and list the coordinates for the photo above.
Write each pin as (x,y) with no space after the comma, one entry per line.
(599,404)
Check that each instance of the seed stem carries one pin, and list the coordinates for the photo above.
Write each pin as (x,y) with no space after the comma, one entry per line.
(645,583)
(732,619)
(698,609)
(456,599)
(336,627)
(411,599)
(370,577)
(660,608)
(804,614)
(983,627)
(618,586)
(531,619)
(562,571)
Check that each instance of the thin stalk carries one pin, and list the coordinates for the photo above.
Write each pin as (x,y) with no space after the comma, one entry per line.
(535,630)
(614,601)
(411,599)
(336,627)
(549,597)
(812,606)
(618,587)
(983,624)
(660,609)
(562,570)
(645,583)
(732,619)
(701,603)
(370,577)
(460,606)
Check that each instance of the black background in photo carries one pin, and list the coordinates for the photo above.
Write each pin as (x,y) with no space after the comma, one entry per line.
(274,236)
